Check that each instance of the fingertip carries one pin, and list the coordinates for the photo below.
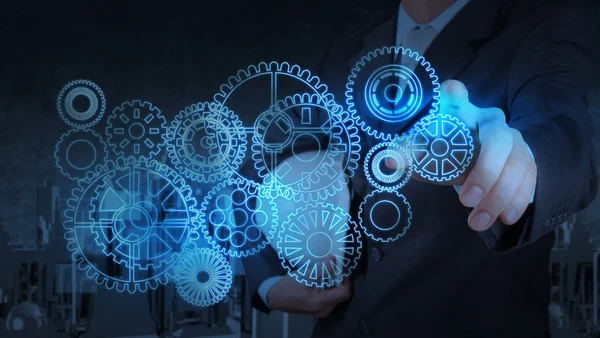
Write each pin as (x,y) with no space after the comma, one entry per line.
(390,163)
(453,92)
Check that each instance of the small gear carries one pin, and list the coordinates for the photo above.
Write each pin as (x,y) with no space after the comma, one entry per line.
(78,152)
(81,104)
(319,245)
(379,175)
(385,216)
(237,219)
(206,142)
(136,128)
(277,136)
(203,277)
(384,97)
(442,147)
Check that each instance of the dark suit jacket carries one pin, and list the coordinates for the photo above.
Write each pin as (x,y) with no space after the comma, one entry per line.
(443,279)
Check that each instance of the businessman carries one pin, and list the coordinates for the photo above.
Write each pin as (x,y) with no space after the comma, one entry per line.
(474,263)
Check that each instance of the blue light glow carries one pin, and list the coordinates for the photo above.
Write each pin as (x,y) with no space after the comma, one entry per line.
(376,171)
(385,216)
(78,152)
(91,110)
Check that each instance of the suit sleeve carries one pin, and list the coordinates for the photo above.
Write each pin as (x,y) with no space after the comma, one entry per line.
(547,104)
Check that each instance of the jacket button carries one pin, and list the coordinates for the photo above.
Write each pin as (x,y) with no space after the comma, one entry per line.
(376,255)
(364,328)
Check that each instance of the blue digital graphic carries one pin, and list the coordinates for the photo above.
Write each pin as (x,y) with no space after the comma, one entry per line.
(320,173)
(319,245)
(206,142)
(385,216)
(203,277)
(383,97)
(377,172)
(442,148)
(136,128)
(81,104)
(237,219)
(79,152)
(138,213)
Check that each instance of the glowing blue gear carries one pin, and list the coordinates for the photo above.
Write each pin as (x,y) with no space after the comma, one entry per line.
(338,131)
(203,277)
(79,152)
(385,216)
(442,147)
(374,166)
(313,235)
(136,128)
(392,93)
(206,142)
(237,219)
(95,100)
(139,213)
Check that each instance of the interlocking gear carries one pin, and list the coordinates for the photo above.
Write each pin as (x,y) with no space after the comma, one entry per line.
(203,277)
(442,147)
(90,108)
(319,245)
(78,152)
(276,136)
(385,216)
(384,97)
(139,213)
(377,172)
(237,219)
(136,128)
(206,142)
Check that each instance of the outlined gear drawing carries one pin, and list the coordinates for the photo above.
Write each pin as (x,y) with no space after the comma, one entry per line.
(319,245)
(383,97)
(81,104)
(442,147)
(379,175)
(203,277)
(237,219)
(206,142)
(78,152)
(327,169)
(137,212)
(136,128)
(385,216)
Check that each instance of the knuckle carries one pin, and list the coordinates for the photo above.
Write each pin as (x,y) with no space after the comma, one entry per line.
(515,167)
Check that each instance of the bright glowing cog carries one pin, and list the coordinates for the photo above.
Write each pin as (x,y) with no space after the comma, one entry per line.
(377,172)
(206,142)
(319,245)
(81,104)
(79,152)
(203,277)
(140,214)
(385,216)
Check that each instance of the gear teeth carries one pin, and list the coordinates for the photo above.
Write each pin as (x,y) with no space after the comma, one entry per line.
(99,96)
(367,231)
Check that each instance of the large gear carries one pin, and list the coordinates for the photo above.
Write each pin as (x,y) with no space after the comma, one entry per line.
(385,216)
(136,128)
(379,175)
(322,176)
(206,142)
(442,147)
(140,214)
(237,219)
(319,245)
(78,152)
(203,277)
(384,97)
(92,100)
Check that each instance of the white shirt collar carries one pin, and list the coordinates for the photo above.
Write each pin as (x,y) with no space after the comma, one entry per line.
(406,23)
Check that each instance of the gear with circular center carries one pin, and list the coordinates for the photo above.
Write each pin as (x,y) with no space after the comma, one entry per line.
(442,148)
(203,277)
(379,175)
(319,245)
(385,97)
(81,104)
(237,219)
(206,142)
(140,214)
(78,152)
(136,128)
(385,216)
(334,141)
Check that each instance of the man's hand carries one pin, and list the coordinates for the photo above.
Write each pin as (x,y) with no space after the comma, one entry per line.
(288,295)
(502,179)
